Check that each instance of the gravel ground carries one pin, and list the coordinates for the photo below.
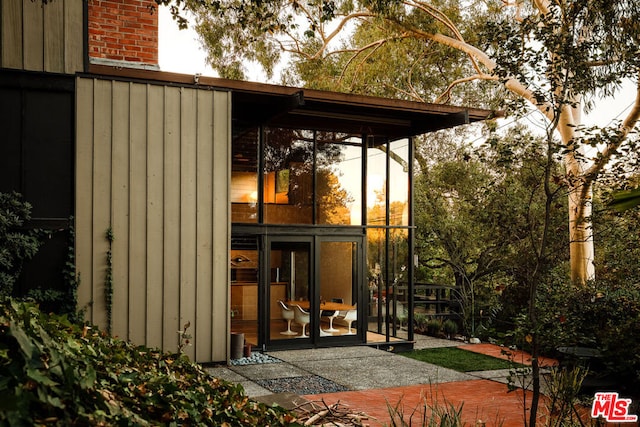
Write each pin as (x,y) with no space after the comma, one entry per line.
(312,384)
(255,359)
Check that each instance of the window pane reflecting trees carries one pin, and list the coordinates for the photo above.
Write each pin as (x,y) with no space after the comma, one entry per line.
(288,176)
(339,179)
(244,176)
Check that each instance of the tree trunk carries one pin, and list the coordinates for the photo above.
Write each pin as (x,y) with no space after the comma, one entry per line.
(581,246)
(535,376)
(581,252)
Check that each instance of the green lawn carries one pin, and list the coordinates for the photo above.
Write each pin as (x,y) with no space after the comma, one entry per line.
(459,360)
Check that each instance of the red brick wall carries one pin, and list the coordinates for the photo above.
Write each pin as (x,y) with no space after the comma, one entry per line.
(123,30)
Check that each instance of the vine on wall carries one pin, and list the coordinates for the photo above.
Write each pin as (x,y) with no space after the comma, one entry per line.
(108,280)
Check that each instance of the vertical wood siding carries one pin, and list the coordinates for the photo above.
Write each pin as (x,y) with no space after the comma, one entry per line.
(39,37)
(153,165)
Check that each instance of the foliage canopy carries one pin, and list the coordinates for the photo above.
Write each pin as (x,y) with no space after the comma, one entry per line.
(57,373)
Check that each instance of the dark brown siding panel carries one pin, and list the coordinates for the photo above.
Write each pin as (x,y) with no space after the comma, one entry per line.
(48,153)
(10,143)
(36,160)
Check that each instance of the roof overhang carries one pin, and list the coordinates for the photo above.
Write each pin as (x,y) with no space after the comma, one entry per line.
(266,104)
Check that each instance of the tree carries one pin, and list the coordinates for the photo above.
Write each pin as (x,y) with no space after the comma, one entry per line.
(479,215)
(454,237)
(492,215)
(556,56)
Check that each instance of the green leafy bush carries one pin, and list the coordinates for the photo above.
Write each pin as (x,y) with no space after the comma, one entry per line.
(16,244)
(602,315)
(53,372)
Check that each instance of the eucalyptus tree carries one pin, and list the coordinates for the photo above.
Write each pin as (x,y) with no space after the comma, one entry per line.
(556,56)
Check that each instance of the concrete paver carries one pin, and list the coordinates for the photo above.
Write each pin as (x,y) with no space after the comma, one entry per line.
(270,371)
(359,373)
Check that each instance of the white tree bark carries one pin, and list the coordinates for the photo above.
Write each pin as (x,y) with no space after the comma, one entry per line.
(581,242)
(580,183)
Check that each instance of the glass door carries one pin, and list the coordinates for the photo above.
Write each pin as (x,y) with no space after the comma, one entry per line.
(245,261)
(312,290)
(337,290)
(289,290)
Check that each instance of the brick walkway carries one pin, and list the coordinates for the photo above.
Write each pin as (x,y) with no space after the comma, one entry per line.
(483,401)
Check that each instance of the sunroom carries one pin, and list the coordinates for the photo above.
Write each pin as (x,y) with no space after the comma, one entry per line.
(322,216)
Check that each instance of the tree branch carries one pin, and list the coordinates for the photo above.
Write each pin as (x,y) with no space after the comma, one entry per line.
(446,95)
(511,83)
(371,47)
(544,6)
(444,19)
(625,129)
(409,94)
(327,39)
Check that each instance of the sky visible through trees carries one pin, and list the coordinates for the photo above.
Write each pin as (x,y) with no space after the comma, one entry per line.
(180,52)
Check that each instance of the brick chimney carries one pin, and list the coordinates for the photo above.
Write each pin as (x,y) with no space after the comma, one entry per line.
(123,32)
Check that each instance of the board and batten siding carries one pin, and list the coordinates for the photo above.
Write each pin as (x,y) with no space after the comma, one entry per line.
(153,166)
(42,37)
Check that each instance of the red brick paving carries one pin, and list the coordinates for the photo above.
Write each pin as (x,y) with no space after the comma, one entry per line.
(483,400)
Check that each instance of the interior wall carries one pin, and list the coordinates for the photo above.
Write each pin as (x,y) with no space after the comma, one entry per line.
(336,271)
(153,166)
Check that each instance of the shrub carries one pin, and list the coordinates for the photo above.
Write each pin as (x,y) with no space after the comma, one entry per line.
(602,315)
(57,373)
(450,328)
(420,323)
(16,244)
(434,327)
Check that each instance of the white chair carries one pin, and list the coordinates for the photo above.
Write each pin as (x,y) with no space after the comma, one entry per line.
(288,315)
(331,315)
(350,317)
(302,317)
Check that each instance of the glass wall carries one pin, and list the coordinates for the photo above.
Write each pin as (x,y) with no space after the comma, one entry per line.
(399,182)
(244,176)
(312,180)
(288,176)
(388,238)
(397,303)
(289,290)
(307,177)
(244,262)
(339,179)
(376,183)
(338,276)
